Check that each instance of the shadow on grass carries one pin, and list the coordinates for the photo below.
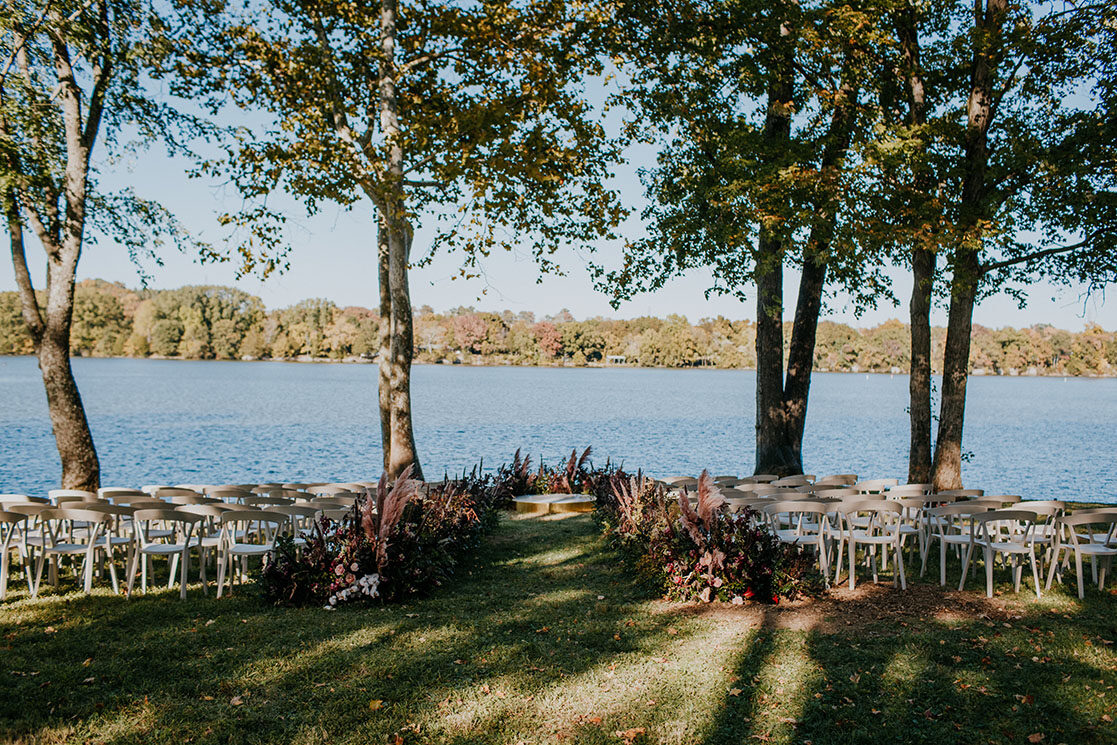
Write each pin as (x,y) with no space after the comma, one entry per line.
(997,672)
(547,639)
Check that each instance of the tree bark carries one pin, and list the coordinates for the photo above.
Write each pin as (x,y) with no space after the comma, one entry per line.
(967,245)
(808,305)
(384,382)
(401,440)
(923,262)
(772,452)
(919,380)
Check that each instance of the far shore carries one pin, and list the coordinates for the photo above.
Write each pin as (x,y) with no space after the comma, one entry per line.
(304,359)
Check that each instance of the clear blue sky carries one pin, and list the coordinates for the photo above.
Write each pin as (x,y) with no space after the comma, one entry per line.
(333,256)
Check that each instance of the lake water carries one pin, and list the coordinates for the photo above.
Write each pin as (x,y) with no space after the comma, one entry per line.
(210,422)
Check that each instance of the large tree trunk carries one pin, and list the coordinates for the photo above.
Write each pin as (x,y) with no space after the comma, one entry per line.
(400,446)
(384,381)
(919,381)
(955,373)
(772,452)
(808,306)
(80,467)
(967,242)
(922,265)
(51,339)
(402,441)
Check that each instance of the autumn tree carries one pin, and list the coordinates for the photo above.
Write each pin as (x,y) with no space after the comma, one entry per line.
(72,75)
(1001,169)
(755,107)
(472,112)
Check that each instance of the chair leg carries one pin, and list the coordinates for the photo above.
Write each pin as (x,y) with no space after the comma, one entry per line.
(1017,572)
(222,565)
(133,565)
(1035,573)
(1104,568)
(900,568)
(1052,561)
(1078,571)
(185,567)
(942,563)
(111,559)
(965,566)
(852,563)
(173,572)
(988,572)
(39,574)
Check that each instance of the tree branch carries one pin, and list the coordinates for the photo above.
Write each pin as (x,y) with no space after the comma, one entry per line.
(1035,255)
(31,314)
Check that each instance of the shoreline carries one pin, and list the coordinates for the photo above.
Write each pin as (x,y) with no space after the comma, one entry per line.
(591,365)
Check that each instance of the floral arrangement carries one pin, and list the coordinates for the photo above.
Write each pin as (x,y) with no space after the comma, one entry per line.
(702,552)
(574,475)
(406,539)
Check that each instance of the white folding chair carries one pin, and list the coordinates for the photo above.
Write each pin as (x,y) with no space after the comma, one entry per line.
(1092,534)
(60,541)
(245,533)
(164,532)
(1007,532)
(874,523)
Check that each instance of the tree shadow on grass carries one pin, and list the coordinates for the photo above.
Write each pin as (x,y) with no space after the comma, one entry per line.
(547,638)
(988,677)
(538,608)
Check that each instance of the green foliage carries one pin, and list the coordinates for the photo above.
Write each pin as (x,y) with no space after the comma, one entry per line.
(487,128)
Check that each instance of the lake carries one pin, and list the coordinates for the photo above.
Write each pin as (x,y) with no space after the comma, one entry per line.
(169,421)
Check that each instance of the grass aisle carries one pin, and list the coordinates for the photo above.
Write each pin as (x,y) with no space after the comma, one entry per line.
(550,641)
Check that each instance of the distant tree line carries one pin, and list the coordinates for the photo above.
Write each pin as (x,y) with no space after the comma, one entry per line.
(209,322)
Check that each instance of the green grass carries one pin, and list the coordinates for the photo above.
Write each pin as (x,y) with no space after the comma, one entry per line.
(549,640)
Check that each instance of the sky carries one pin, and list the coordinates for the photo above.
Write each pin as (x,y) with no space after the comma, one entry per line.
(333,256)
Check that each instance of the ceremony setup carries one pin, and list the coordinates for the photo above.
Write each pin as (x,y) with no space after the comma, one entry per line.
(558,372)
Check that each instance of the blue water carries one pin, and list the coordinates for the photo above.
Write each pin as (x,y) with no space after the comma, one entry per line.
(211,422)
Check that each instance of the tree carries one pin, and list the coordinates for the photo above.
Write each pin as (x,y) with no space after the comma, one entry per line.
(471,111)
(743,185)
(71,75)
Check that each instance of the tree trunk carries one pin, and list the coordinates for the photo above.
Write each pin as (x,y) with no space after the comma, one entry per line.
(80,467)
(384,383)
(955,373)
(967,243)
(808,305)
(772,452)
(919,380)
(923,265)
(401,438)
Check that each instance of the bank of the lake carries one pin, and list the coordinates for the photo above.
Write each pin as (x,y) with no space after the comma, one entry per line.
(178,421)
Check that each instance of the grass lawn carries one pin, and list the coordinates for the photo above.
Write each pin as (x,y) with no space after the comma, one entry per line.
(550,640)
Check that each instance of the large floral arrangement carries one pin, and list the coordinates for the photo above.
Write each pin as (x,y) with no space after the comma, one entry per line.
(406,539)
(701,552)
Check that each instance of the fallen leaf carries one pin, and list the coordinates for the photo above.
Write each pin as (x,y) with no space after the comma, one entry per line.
(734,691)
(1035,737)
(629,735)
(375,704)
(88,662)
(236,701)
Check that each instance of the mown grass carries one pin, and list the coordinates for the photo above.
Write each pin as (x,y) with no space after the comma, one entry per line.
(549,639)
